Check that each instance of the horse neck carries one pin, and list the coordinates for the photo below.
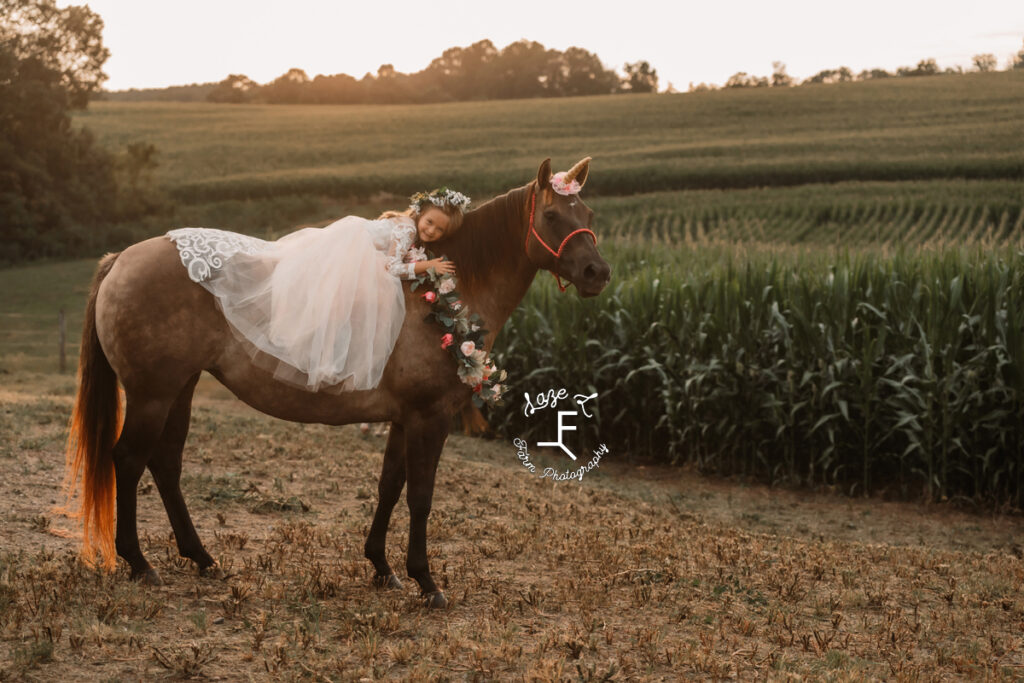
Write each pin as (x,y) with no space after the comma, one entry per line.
(490,254)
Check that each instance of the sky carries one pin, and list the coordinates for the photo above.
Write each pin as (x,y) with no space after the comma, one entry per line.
(157,44)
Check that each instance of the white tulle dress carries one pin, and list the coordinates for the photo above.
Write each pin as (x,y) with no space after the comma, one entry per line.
(320,308)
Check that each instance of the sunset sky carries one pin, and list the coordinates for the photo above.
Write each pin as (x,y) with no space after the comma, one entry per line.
(195,41)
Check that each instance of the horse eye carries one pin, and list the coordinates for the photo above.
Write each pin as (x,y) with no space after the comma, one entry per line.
(550,214)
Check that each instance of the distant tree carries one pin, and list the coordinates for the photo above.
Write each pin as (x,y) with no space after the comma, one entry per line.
(520,68)
(640,78)
(578,72)
(840,75)
(463,73)
(195,92)
(68,41)
(741,79)
(985,62)
(1017,60)
(290,87)
(701,87)
(872,74)
(337,89)
(780,79)
(926,67)
(235,89)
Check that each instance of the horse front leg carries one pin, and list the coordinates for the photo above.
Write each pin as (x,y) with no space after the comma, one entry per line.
(389,488)
(425,438)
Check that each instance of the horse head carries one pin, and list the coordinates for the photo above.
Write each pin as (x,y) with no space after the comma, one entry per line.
(559,238)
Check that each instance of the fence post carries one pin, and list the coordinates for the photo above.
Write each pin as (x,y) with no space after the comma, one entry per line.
(63,335)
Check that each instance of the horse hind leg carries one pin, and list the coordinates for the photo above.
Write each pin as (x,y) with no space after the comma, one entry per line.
(389,490)
(144,421)
(425,437)
(165,466)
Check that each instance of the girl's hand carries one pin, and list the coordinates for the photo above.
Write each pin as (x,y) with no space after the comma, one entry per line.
(443,267)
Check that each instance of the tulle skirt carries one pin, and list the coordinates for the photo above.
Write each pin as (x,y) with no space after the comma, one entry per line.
(317,308)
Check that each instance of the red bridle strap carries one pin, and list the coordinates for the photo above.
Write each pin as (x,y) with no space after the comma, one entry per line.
(557,254)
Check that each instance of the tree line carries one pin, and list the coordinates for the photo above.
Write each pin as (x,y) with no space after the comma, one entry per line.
(481,71)
(926,67)
(57,184)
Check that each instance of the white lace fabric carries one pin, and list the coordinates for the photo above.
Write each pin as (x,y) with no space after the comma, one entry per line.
(320,308)
(204,250)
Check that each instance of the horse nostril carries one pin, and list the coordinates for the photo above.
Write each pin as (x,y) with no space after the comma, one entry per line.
(597,273)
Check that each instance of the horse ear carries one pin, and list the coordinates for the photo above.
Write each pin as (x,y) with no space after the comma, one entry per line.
(544,173)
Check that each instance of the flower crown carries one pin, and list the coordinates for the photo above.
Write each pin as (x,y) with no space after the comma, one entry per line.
(440,197)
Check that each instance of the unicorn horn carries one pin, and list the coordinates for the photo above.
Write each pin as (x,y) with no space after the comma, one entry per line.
(575,170)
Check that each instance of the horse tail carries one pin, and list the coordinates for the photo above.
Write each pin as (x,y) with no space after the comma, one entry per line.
(95,426)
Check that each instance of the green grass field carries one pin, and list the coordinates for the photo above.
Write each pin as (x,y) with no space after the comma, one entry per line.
(919,159)
(899,129)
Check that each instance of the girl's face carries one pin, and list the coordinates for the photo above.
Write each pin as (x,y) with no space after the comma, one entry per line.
(432,225)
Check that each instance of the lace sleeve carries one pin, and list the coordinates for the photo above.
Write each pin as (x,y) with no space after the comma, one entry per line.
(403,234)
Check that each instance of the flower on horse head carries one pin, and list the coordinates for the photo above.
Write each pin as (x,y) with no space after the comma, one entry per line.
(430,297)
(447,340)
(562,187)
(467,348)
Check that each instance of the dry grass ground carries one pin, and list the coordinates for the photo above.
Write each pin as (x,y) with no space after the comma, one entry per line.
(635,573)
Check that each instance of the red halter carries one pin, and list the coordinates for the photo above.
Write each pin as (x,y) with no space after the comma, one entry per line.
(557,254)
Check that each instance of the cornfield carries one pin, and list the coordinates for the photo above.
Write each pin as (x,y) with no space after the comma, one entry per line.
(882,371)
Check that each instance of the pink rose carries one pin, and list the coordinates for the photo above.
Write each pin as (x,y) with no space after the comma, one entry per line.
(430,297)
(467,348)
(447,340)
(415,255)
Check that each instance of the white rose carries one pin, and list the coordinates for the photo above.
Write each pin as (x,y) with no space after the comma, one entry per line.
(467,348)
(447,285)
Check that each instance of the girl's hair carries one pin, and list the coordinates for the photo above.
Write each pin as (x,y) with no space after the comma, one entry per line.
(454,214)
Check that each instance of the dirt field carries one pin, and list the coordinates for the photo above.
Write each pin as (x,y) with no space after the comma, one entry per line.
(635,573)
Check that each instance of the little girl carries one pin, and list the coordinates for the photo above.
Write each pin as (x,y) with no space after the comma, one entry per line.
(321,308)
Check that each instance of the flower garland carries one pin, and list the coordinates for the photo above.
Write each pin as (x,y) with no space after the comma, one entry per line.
(464,336)
(439,198)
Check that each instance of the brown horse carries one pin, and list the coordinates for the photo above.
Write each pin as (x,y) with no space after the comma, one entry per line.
(154,330)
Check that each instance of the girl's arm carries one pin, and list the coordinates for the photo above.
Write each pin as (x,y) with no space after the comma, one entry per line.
(402,237)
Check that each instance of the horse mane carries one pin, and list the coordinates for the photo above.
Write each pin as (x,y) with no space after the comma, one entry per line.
(489,234)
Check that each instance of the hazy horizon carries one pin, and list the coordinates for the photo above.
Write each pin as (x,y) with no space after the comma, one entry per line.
(686,43)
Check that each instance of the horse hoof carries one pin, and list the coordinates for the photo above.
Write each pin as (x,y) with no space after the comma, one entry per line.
(213,571)
(435,600)
(388,582)
(149,577)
